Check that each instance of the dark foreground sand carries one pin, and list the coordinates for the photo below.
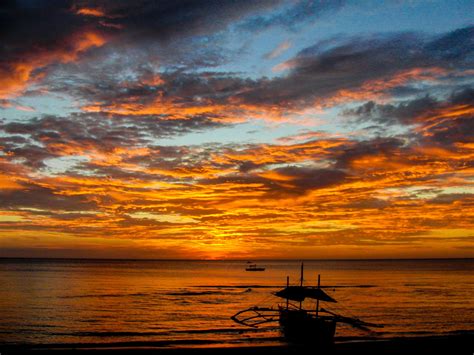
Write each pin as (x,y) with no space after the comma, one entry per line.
(449,345)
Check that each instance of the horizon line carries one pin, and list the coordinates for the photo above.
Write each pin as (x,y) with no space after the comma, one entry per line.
(217,260)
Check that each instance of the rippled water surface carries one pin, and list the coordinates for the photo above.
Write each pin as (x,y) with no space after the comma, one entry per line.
(185,303)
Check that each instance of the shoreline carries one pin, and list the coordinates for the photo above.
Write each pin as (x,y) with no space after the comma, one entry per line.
(443,344)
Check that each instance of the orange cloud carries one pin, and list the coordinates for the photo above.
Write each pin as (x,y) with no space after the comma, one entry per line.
(25,72)
(279,50)
(377,89)
(394,197)
(91,12)
(9,182)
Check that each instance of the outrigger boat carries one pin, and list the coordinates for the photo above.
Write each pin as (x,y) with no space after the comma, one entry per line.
(254,267)
(297,324)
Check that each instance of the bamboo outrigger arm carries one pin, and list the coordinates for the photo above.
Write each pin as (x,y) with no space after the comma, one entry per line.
(266,315)
(255,316)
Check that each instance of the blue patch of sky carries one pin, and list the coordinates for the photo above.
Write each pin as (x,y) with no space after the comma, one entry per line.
(47,104)
(244,133)
(355,18)
(10,114)
(393,16)
(50,104)
(258,131)
(58,166)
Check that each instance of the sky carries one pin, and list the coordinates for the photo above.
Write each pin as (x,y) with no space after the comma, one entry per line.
(242,129)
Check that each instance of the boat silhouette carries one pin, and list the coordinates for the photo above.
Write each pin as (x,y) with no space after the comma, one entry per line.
(299,324)
(254,267)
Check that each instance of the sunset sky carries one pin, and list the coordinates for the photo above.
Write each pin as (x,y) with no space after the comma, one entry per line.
(236,129)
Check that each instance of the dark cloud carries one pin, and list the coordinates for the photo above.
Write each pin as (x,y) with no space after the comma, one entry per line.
(102,130)
(378,146)
(37,36)
(456,46)
(410,111)
(247,166)
(173,88)
(459,130)
(373,203)
(32,28)
(465,198)
(163,19)
(39,139)
(37,26)
(442,121)
(295,180)
(169,19)
(31,155)
(36,196)
(324,69)
(317,73)
(303,179)
(405,112)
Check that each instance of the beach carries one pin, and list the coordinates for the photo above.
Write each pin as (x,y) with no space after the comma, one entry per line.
(455,344)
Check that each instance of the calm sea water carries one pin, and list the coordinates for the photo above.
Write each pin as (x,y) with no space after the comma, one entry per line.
(189,303)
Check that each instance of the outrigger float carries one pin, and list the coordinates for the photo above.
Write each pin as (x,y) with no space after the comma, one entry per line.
(297,324)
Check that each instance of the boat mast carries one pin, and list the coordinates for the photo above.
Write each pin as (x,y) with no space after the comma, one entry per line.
(317,300)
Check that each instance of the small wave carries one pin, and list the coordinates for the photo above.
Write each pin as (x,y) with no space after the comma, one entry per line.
(121,344)
(236,286)
(202,293)
(415,333)
(196,293)
(107,334)
(106,295)
(278,286)
(209,290)
(219,331)
(32,325)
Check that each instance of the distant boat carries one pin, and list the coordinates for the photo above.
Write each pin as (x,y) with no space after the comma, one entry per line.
(254,267)
(308,326)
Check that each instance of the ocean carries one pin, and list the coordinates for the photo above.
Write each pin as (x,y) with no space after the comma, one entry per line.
(189,303)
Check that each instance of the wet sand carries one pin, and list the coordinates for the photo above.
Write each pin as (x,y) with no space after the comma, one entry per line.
(450,345)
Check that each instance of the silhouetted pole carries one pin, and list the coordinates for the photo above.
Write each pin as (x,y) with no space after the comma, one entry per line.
(287,285)
(317,299)
(301,279)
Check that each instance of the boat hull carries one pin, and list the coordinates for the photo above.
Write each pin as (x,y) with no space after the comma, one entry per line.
(301,327)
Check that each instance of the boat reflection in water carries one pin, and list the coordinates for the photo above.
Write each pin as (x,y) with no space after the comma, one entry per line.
(298,324)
